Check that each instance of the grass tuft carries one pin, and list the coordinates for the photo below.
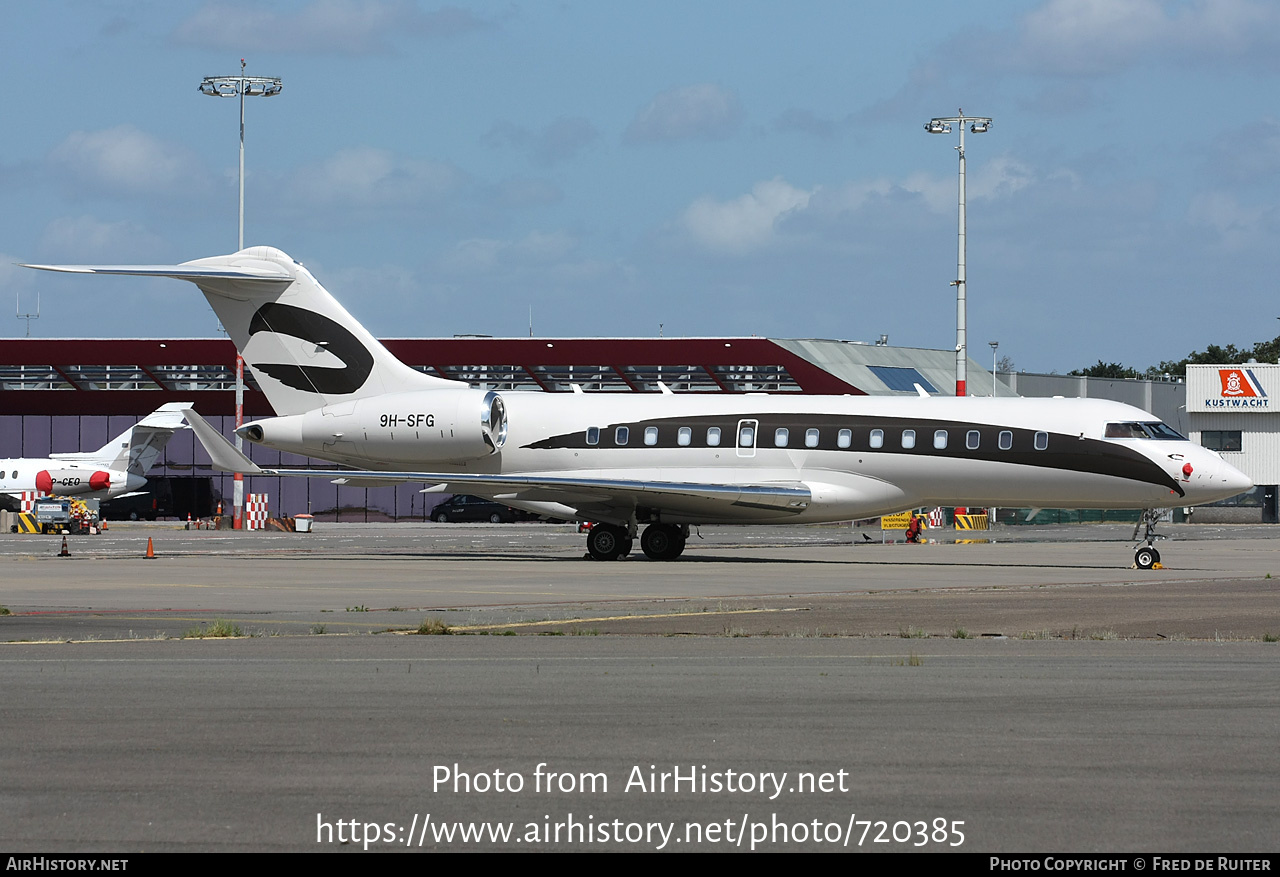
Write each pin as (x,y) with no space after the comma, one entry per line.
(219,628)
(912,633)
(433,627)
(1270,638)
(960,633)
(318,629)
(4,610)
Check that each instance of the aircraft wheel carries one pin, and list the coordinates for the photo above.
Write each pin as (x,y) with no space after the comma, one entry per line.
(1146,557)
(662,542)
(607,542)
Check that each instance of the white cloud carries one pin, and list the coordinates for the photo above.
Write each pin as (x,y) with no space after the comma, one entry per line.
(747,222)
(124,160)
(1236,225)
(351,27)
(1090,37)
(369,177)
(559,141)
(485,255)
(704,111)
(87,239)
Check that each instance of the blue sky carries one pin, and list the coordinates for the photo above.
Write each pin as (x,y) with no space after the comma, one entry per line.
(722,168)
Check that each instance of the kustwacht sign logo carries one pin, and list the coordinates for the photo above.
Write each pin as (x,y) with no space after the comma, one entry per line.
(1240,389)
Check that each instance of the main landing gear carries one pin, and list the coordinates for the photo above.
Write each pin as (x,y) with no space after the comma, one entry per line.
(1146,557)
(659,541)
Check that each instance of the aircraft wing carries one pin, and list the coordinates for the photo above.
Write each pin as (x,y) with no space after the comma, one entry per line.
(606,496)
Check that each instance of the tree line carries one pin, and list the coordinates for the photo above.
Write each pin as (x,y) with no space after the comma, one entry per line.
(1261,351)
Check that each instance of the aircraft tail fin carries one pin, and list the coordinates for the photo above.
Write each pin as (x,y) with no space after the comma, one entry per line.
(304,348)
(138,448)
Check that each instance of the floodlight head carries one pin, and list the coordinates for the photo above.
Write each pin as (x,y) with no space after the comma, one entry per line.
(980,127)
(937,127)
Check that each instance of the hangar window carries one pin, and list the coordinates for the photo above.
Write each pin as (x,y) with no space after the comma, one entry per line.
(684,436)
(908,438)
(940,438)
(713,436)
(972,439)
(650,435)
(877,438)
(1213,439)
(593,435)
(844,438)
(810,438)
(1006,439)
(780,437)
(1042,441)
(620,435)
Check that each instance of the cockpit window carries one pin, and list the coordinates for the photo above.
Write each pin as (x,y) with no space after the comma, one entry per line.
(1144,430)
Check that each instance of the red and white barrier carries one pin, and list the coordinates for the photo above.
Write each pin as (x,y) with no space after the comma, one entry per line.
(255,511)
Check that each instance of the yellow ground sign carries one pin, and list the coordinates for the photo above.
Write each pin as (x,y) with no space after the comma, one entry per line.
(895,522)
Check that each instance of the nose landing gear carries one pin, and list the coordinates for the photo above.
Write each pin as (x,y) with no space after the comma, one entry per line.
(1146,556)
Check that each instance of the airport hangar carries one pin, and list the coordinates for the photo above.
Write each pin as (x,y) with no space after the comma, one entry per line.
(60,395)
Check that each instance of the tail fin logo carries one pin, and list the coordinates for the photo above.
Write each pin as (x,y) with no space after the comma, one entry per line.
(323,332)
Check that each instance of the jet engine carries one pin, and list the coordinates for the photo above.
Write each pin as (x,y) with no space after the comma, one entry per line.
(423,427)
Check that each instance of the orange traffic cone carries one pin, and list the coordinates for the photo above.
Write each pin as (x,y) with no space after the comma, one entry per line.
(65,551)
(151,551)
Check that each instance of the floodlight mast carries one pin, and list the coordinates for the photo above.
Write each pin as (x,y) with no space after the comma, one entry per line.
(977,125)
(240,86)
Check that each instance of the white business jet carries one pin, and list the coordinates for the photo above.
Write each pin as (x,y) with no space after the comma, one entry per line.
(119,468)
(664,461)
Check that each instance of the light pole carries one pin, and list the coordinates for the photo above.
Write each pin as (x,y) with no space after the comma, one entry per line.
(241,86)
(993,345)
(977,125)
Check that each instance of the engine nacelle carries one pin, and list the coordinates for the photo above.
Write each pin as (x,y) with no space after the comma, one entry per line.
(427,426)
(77,481)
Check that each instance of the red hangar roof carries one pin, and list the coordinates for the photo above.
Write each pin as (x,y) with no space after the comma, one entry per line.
(124,376)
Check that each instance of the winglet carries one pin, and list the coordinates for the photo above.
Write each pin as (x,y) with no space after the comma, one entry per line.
(224,454)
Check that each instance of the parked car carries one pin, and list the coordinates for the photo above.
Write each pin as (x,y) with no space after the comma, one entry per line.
(463,508)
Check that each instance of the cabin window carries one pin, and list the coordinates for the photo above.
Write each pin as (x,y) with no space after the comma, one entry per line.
(1042,441)
(908,438)
(620,435)
(844,438)
(780,437)
(684,437)
(810,438)
(972,439)
(651,435)
(713,436)
(877,438)
(747,437)
(593,435)
(1006,439)
(939,438)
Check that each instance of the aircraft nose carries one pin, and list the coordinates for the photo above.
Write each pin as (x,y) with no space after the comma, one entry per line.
(1233,479)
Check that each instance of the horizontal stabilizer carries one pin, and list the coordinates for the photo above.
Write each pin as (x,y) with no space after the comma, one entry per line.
(224,455)
(267,273)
